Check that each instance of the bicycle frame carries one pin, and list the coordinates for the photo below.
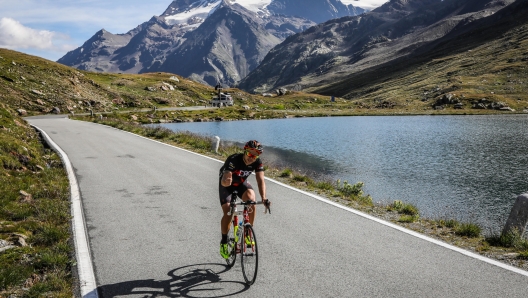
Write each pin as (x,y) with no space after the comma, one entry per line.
(235,213)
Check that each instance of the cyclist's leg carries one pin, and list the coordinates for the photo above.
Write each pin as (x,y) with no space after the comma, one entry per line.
(249,194)
(225,199)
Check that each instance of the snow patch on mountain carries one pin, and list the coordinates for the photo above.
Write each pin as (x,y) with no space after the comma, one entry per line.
(256,6)
(198,11)
(193,16)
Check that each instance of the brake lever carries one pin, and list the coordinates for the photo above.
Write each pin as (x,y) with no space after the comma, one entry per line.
(268,205)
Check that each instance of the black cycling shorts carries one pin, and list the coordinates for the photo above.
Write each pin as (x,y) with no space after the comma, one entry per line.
(225,192)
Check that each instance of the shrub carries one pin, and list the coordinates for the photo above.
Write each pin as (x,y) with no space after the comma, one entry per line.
(302,178)
(324,185)
(403,208)
(408,218)
(468,229)
(349,190)
(449,223)
(512,239)
(286,173)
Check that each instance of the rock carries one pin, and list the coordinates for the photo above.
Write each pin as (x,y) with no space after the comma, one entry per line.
(37,92)
(55,110)
(151,89)
(173,78)
(458,106)
(267,94)
(246,107)
(508,109)
(22,241)
(168,86)
(22,112)
(281,91)
(5,245)
(162,101)
(25,197)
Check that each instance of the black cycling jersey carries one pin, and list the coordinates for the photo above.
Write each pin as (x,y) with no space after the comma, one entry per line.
(235,164)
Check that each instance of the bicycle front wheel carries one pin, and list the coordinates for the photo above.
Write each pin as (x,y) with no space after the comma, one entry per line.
(249,254)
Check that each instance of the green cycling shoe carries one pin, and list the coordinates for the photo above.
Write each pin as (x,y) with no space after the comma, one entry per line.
(249,241)
(224,250)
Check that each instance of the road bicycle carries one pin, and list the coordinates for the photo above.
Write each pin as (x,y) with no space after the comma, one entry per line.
(241,239)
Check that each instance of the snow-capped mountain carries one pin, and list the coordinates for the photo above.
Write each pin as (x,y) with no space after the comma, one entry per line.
(348,50)
(190,32)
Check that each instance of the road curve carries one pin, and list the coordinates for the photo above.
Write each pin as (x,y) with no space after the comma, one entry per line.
(152,215)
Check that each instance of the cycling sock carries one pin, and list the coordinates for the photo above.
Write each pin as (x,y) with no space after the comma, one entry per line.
(224,238)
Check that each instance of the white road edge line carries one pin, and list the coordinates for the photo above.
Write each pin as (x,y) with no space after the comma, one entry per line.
(378,220)
(88,286)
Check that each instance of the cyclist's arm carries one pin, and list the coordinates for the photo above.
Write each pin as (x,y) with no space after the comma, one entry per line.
(261,184)
(227,178)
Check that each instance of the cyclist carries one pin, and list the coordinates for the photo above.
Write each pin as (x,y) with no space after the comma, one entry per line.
(233,175)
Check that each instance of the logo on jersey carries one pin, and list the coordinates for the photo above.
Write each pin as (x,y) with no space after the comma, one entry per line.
(242,174)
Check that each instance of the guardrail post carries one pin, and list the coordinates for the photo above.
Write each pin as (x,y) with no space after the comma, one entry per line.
(518,218)
(216,144)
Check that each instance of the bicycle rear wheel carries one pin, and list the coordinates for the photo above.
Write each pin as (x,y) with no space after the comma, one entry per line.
(249,254)
(231,245)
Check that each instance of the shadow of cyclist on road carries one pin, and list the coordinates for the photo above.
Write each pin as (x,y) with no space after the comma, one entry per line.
(200,280)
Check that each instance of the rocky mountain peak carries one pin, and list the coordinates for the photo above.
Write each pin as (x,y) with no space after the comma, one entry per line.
(208,40)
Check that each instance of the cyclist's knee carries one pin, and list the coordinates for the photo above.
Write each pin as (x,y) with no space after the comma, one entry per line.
(249,195)
(226,208)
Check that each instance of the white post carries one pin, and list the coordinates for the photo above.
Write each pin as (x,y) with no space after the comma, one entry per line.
(216,144)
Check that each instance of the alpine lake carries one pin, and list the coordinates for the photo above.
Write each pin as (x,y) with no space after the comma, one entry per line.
(469,168)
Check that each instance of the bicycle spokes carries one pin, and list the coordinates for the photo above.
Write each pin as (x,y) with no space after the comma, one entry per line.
(249,255)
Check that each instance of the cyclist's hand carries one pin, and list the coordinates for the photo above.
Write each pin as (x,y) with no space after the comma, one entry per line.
(267,204)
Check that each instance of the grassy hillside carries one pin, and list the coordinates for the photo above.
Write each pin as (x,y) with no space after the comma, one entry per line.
(485,66)
(35,249)
(38,85)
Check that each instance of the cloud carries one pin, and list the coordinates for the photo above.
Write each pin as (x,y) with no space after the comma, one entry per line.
(15,35)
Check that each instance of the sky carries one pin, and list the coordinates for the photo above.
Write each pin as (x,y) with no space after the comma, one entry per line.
(51,28)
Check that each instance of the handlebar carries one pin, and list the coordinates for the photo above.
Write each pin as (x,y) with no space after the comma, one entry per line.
(235,196)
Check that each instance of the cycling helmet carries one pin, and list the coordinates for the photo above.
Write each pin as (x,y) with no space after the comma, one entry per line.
(255,145)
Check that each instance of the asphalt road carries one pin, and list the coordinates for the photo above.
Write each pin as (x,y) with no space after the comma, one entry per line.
(153,220)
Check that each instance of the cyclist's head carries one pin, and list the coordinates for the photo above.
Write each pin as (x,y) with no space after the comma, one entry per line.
(253,147)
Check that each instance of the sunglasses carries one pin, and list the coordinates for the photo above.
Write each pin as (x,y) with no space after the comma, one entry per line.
(251,155)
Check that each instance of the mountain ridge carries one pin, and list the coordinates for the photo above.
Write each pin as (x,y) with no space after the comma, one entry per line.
(153,45)
(342,47)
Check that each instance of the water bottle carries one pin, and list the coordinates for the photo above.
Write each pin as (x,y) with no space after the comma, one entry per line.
(239,232)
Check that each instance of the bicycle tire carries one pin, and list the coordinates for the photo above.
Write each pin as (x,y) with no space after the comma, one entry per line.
(232,245)
(249,255)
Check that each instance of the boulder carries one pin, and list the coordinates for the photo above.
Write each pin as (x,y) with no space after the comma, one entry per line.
(281,91)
